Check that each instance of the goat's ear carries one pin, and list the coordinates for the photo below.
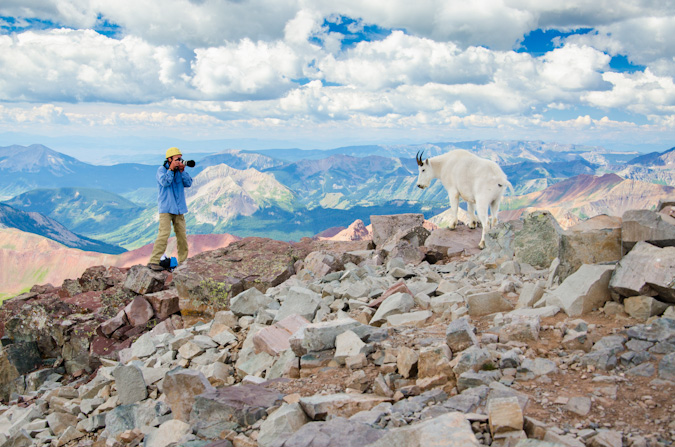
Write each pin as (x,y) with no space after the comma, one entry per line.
(426,162)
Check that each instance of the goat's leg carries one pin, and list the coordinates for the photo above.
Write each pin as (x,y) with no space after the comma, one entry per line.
(494,211)
(454,208)
(471,211)
(482,209)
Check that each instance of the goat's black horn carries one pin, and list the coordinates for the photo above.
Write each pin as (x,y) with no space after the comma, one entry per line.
(418,157)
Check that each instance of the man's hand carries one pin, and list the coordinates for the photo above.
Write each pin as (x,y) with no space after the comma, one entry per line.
(176,164)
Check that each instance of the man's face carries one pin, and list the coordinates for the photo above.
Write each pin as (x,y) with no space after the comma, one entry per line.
(176,157)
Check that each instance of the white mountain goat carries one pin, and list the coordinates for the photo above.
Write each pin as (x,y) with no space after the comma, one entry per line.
(480,182)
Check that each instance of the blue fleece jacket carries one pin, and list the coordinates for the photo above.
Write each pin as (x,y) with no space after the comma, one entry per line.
(171,197)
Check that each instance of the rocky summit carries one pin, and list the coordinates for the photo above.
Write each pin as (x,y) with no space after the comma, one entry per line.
(547,338)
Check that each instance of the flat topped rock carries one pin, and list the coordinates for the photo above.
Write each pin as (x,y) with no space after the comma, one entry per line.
(231,407)
(207,281)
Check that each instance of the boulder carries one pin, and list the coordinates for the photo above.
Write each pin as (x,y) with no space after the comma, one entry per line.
(164,303)
(180,388)
(505,415)
(111,325)
(167,433)
(384,227)
(232,407)
(638,273)
(320,406)
(398,287)
(593,241)
(397,303)
(487,303)
(316,337)
(648,226)
(321,263)
(642,307)
(275,339)
(139,311)
(249,302)
(282,424)
(415,237)
(299,301)
(334,432)
(206,282)
(455,242)
(416,319)
(449,430)
(523,329)
(583,291)
(434,361)
(460,335)
(347,344)
(538,242)
(406,362)
(140,279)
(530,294)
(131,386)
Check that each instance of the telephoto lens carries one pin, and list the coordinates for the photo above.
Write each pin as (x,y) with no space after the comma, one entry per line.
(190,163)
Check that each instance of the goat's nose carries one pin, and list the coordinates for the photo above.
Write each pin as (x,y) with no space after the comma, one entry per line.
(420,186)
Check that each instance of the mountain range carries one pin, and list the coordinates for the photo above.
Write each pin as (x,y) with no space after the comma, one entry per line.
(288,194)
(291,193)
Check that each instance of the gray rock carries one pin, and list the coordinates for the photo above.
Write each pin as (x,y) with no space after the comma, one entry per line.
(649,226)
(613,343)
(475,379)
(384,227)
(604,359)
(180,387)
(643,370)
(397,303)
(319,407)
(281,424)
(579,405)
(643,307)
(487,303)
(660,330)
(667,367)
(472,359)
(530,294)
(583,291)
(126,417)
(440,304)
(230,408)
(449,430)
(337,431)
(606,438)
(459,335)
(321,336)
(538,243)
(249,302)
(537,367)
(167,433)
(130,384)
(142,280)
(520,329)
(596,240)
(638,274)
(347,344)
(299,301)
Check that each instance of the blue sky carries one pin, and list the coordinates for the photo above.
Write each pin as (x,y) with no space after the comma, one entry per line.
(321,74)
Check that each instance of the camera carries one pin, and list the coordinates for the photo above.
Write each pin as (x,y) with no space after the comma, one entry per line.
(189,163)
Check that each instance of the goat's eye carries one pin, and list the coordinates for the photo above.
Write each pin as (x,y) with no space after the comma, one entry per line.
(423,170)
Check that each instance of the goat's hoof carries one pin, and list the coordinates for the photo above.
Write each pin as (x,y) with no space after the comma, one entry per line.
(472,225)
(481,245)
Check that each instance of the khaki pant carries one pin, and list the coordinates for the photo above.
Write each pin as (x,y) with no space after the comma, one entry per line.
(165,221)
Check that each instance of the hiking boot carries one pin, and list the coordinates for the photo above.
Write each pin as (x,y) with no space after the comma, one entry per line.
(155,267)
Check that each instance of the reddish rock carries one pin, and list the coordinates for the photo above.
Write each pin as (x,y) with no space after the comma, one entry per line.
(139,311)
(116,322)
(384,227)
(164,303)
(396,288)
(206,282)
(461,240)
(142,280)
(101,278)
(275,339)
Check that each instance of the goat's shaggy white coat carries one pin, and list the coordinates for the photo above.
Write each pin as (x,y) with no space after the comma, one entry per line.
(480,182)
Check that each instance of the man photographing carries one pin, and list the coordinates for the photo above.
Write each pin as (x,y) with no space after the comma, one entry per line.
(172,179)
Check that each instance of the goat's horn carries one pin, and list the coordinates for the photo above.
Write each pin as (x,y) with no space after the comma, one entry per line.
(418,157)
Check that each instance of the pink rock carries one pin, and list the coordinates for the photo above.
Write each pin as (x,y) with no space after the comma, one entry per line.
(275,339)
(396,288)
(164,303)
(139,311)
(116,322)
